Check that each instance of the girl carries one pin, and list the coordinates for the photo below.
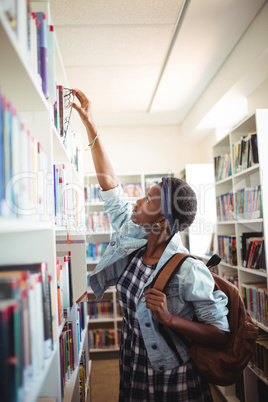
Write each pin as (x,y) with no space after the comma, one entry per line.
(143,240)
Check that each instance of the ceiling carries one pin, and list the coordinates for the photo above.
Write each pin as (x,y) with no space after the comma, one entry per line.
(138,60)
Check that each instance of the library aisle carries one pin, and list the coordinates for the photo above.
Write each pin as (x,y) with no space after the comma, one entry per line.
(105,383)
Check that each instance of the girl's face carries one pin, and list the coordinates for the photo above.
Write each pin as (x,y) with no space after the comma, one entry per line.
(148,210)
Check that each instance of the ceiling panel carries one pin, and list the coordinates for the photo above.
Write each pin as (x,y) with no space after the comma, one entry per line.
(114,45)
(91,12)
(114,50)
(116,88)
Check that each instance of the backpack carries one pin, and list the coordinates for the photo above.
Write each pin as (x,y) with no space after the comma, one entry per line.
(220,366)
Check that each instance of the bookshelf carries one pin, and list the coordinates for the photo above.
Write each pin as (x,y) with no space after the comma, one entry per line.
(241,204)
(28,234)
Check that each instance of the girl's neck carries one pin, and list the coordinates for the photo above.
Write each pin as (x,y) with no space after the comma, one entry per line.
(155,248)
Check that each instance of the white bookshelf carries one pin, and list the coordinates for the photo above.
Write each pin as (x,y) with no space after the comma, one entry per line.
(248,177)
(34,237)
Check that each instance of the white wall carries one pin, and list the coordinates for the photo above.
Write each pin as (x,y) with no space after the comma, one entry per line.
(145,149)
(259,98)
(162,148)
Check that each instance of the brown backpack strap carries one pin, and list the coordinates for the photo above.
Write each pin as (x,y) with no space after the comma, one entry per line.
(167,271)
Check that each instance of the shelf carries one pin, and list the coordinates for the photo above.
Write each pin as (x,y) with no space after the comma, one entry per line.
(253,271)
(104,350)
(228,398)
(99,233)
(91,261)
(23,90)
(22,225)
(60,155)
(71,382)
(256,371)
(219,182)
(111,289)
(226,222)
(93,203)
(247,171)
(240,221)
(99,320)
(32,393)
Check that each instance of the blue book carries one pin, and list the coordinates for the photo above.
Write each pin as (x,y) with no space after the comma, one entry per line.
(42,50)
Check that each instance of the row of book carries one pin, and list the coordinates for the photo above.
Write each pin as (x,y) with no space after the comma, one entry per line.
(61,118)
(253,250)
(103,339)
(66,348)
(83,376)
(225,207)
(37,44)
(222,166)
(64,286)
(248,203)
(92,193)
(67,202)
(260,358)
(24,167)
(227,249)
(25,327)
(245,152)
(96,250)
(66,343)
(103,309)
(97,222)
(35,41)
(231,277)
(255,297)
(132,189)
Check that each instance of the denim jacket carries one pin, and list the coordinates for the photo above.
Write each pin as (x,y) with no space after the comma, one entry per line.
(190,292)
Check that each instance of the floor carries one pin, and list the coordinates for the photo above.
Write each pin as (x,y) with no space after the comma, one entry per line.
(105,382)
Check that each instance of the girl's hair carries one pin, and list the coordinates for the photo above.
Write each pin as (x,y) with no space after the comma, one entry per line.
(183,203)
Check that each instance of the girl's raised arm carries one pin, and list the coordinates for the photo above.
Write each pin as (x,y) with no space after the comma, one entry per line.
(104,170)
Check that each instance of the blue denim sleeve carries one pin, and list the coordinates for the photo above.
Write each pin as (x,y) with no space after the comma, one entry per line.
(117,206)
(210,306)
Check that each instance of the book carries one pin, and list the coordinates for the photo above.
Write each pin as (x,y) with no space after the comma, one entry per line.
(243,243)
(42,269)
(33,46)
(51,65)
(10,289)
(66,286)
(2,163)
(254,145)
(9,351)
(22,30)
(59,293)
(37,325)
(42,50)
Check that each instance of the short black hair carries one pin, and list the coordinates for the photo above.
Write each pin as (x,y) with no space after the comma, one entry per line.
(183,203)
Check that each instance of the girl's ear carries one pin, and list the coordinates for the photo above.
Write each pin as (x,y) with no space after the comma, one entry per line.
(162,222)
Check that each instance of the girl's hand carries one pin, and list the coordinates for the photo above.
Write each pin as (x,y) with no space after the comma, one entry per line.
(157,302)
(84,110)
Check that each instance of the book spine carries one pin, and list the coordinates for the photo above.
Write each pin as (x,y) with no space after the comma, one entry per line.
(51,65)
(42,50)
